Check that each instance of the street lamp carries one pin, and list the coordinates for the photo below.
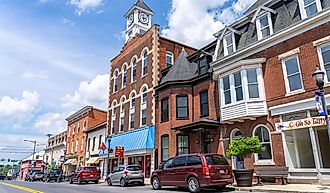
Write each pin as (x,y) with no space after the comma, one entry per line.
(109,140)
(318,76)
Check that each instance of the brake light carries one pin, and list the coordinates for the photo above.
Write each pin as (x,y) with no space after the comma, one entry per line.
(206,171)
(126,173)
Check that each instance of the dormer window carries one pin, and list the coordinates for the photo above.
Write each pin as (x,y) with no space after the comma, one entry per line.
(309,7)
(169,59)
(203,63)
(264,26)
(229,44)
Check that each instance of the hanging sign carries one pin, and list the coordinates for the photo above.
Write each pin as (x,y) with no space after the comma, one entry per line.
(319,103)
(301,123)
(119,153)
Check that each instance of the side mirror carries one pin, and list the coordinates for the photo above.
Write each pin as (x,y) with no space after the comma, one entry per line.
(161,166)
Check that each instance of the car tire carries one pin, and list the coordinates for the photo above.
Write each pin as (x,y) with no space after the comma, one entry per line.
(123,183)
(96,181)
(109,182)
(155,184)
(220,188)
(58,180)
(70,181)
(79,181)
(193,185)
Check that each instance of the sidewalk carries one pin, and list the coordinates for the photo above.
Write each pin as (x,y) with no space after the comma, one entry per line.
(289,188)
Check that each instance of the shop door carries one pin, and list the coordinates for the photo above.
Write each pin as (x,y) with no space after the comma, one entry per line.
(147,166)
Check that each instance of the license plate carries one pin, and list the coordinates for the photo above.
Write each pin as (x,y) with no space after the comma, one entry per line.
(92,175)
(222,171)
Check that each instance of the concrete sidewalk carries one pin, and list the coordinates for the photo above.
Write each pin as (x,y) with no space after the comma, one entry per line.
(289,188)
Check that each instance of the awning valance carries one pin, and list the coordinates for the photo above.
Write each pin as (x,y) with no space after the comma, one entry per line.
(92,160)
(70,162)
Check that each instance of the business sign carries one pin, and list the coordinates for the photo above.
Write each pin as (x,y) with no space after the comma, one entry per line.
(119,153)
(301,123)
(319,103)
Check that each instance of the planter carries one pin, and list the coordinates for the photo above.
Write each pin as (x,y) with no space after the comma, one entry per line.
(243,177)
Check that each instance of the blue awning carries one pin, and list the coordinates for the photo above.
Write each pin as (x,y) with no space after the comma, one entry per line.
(139,139)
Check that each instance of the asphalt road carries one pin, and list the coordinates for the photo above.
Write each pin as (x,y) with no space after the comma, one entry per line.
(42,187)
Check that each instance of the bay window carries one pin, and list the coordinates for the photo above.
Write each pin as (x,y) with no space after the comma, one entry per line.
(238,86)
(226,90)
(164,110)
(204,103)
(182,107)
(252,83)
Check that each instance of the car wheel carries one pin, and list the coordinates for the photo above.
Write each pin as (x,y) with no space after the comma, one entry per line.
(70,181)
(79,181)
(58,180)
(109,182)
(96,181)
(193,185)
(220,187)
(122,182)
(155,183)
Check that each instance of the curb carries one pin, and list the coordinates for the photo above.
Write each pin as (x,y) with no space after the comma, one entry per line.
(251,189)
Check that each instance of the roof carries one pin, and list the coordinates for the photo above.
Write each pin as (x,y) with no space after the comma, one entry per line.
(96,127)
(39,154)
(256,5)
(182,69)
(141,5)
(82,112)
(198,124)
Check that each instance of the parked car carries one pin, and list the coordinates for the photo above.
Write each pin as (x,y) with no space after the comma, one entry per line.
(126,174)
(2,177)
(194,171)
(53,175)
(28,176)
(37,176)
(85,174)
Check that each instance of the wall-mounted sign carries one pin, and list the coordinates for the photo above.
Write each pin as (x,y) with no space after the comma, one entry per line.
(119,153)
(301,123)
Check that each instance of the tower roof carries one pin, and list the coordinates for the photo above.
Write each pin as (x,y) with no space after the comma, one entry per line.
(139,4)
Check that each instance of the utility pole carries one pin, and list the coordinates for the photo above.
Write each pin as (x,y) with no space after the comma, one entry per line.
(34,147)
(52,150)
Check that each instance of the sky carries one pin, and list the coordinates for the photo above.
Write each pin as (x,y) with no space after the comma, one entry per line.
(54,56)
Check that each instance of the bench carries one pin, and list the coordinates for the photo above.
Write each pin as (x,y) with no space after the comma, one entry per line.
(273,171)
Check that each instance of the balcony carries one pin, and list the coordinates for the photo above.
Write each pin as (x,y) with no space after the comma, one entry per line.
(247,109)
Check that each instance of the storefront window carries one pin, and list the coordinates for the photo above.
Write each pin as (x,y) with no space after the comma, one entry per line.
(323,145)
(264,137)
(182,144)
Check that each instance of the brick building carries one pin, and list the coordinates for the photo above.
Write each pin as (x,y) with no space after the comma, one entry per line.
(78,123)
(186,105)
(134,73)
(264,63)
(55,150)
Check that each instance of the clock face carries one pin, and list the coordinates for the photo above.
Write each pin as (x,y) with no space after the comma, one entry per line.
(130,19)
(143,18)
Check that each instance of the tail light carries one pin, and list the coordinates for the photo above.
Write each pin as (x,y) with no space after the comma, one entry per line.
(206,171)
(126,173)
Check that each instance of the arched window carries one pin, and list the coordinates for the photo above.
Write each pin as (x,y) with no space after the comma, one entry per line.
(145,63)
(169,59)
(263,134)
(143,114)
(132,111)
(124,76)
(122,114)
(115,81)
(113,117)
(133,74)
(164,147)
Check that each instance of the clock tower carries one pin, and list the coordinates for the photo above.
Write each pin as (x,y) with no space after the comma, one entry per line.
(138,19)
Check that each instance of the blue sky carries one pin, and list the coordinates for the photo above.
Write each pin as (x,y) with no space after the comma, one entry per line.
(54,55)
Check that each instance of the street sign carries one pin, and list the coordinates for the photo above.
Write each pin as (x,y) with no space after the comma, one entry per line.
(119,152)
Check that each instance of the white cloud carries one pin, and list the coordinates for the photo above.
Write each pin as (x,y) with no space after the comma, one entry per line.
(35,75)
(19,108)
(84,5)
(52,123)
(68,21)
(195,21)
(94,92)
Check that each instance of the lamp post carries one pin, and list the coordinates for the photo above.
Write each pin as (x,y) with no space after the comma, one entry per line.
(109,140)
(318,75)
(34,147)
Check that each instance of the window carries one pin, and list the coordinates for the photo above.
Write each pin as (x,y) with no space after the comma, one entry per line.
(226,90)
(145,63)
(324,53)
(77,145)
(264,26)
(113,118)
(132,105)
(72,146)
(100,141)
(252,80)
(84,124)
(168,164)
(143,115)
(93,146)
(89,144)
(115,81)
(132,111)
(78,127)
(182,107)
(292,74)
(144,95)
(309,7)
(164,109)
(132,117)
(122,114)
(165,147)
(229,44)
(169,59)
(180,161)
(124,77)
(238,86)
(82,144)
(133,74)
(203,64)
(194,161)
(216,160)
(264,137)
(204,103)
(182,144)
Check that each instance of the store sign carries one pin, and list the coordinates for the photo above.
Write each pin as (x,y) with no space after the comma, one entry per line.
(301,123)
(119,153)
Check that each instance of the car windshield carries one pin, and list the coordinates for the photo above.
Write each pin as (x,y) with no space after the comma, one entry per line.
(216,160)
(133,168)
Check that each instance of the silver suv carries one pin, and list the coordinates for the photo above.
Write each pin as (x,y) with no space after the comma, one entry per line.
(126,174)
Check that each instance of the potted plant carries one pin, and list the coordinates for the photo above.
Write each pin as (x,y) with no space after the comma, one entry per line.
(243,147)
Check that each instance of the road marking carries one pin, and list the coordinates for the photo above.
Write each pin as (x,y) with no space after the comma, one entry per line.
(21,188)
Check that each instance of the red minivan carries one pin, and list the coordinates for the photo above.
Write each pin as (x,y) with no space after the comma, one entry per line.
(194,171)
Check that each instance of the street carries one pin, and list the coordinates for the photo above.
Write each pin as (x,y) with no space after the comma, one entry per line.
(41,187)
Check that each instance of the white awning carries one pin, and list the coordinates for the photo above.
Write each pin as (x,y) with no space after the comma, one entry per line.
(92,160)
(70,162)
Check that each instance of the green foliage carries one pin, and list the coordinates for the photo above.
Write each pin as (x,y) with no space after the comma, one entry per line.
(245,146)
(4,170)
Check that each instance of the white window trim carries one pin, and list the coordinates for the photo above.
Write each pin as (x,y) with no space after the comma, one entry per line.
(142,104)
(225,45)
(124,73)
(131,110)
(302,9)
(143,63)
(115,78)
(286,81)
(321,61)
(113,117)
(132,67)
(172,57)
(122,114)
(266,161)
(270,25)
